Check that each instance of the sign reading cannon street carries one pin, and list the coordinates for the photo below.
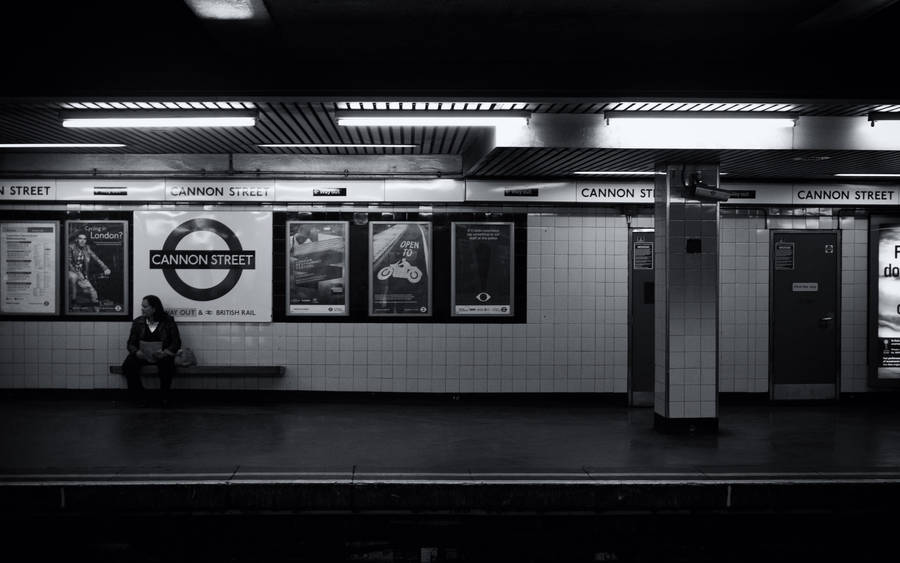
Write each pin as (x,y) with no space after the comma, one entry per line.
(205,266)
(482,269)
(399,268)
(317,268)
(28,262)
(96,267)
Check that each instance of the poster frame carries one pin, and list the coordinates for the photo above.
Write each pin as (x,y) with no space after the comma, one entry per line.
(287,276)
(429,264)
(511,275)
(126,269)
(11,315)
(876,223)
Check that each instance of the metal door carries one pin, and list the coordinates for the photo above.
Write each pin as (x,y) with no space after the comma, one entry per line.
(804,321)
(640,346)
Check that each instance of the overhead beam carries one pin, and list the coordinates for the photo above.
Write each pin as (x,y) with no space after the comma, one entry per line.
(478,151)
(433,166)
(593,131)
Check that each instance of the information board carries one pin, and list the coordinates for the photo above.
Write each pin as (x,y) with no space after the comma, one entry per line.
(28,267)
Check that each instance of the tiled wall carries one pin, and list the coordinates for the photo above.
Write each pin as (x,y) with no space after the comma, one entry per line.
(744,295)
(575,339)
(743,304)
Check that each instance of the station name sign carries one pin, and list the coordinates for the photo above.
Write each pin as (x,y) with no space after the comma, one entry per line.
(615,192)
(612,192)
(220,191)
(29,190)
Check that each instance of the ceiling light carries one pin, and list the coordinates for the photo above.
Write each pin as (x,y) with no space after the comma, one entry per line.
(58,145)
(614,173)
(158,119)
(773,118)
(883,116)
(868,175)
(229,9)
(439,118)
(335,145)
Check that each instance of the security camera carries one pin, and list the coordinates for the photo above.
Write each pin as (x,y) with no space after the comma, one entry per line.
(699,189)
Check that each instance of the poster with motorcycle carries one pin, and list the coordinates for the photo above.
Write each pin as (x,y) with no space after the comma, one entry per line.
(317,268)
(482,280)
(399,268)
(96,267)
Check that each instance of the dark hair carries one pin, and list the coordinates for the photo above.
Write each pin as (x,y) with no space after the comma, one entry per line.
(159,310)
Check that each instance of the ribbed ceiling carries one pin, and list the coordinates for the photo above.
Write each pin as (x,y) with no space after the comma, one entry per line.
(312,122)
(773,164)
(279,123)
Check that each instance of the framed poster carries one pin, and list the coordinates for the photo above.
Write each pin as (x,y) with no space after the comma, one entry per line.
(399,268)
(482,278)
(96,267)
(209,266)
(885,249)
(29,256)
(317,267)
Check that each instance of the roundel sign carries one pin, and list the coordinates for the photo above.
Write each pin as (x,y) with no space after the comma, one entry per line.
(234,260)
(206,267)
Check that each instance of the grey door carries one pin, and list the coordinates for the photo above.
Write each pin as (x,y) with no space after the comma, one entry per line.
(640,345)
(804,315)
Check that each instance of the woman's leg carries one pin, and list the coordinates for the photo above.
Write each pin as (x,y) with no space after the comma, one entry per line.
(166,367)
(131,367)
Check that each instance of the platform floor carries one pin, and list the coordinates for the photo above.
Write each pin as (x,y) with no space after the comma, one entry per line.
(436,439)
(415,480)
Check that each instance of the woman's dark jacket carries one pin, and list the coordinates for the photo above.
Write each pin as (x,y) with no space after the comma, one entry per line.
(167,330)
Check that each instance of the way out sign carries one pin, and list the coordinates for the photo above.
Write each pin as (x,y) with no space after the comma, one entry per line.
(205,267)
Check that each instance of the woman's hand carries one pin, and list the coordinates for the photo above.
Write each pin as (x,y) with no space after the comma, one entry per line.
(159,354)
(140,355)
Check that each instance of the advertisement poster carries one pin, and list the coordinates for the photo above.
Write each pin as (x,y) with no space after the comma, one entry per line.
(399,268)
(483,269)
(317,268)
(96,267)
(889,302)
(205,266)
(28,262)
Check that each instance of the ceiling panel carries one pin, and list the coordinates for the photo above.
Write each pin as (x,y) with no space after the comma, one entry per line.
(756,164)
(304,121)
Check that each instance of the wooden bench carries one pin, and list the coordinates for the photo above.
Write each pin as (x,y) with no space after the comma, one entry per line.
(240,371)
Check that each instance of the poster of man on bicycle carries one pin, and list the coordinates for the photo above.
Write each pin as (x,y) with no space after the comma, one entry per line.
(96,267)
(400,268)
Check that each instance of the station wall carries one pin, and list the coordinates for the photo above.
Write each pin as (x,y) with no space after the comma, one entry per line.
(575,338)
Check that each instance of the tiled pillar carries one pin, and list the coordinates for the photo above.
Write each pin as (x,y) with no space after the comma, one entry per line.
(687,284)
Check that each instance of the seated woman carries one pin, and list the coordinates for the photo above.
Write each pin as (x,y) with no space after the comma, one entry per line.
(154,339)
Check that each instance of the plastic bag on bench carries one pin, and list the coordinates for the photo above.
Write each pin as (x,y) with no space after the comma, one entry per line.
(185,357)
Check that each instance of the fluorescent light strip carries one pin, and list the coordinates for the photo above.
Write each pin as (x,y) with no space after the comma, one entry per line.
(59,145)
(431,121)
(867,175)
(324,145)
(142,122)
(614,173)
